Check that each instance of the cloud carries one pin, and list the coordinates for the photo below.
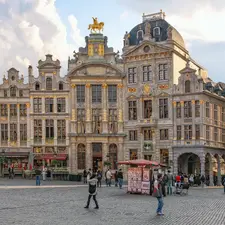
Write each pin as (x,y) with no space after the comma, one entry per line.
(196,20)
(31,29)
(124,15)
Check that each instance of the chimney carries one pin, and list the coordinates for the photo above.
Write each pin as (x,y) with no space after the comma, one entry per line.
(30,70)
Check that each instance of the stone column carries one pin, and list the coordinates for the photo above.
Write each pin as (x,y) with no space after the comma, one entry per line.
(120,103)
(43,131)
(31,131)
(18,124)
(31,104)
(211,172)
(43,104)
(104,109)
(105,151)
(73,158)
(88,109)
(202,161)
(175,164)
(67,132)
(120,152)
(28,124)
(54,104)
(8,106)
(89,154)
(73,108)
(218,171)
(182,109)
(55,132)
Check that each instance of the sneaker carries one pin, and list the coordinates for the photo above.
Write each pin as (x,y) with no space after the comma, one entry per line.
(96,207)
(86,207)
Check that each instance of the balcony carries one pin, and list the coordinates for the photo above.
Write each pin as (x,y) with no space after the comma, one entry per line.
(61,141)
(23,143)
(49,141)
(4,143)
(149,122)
(38,140)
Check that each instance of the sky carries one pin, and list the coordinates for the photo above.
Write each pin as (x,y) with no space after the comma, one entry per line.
(30,29)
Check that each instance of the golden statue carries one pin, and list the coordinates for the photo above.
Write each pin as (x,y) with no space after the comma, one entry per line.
(96,25)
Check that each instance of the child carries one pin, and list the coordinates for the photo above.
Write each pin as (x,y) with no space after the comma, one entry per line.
(92,190)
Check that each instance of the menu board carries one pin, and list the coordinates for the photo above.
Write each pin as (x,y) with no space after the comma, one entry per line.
(134,180)
(146,174)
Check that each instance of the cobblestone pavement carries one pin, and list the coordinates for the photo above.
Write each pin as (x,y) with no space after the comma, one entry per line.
(64,206)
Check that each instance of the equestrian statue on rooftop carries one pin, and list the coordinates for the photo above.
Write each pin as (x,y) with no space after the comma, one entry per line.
(96,26)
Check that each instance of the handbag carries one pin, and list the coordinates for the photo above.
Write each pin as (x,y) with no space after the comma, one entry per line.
(156,193)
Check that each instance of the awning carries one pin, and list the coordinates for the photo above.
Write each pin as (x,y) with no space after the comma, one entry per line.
(52,157)
(15,154)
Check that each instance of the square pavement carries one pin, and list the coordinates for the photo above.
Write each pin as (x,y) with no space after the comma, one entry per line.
(64,206)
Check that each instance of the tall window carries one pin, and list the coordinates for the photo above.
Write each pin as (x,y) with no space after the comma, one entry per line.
(37,130)
(207,132)
(13,110)
(23,110)
(21,93)
(61,105)
(178,110)
(4,132)
(207,109)
(197,108)
(80,93)
(5,93)
(163,72)
(148,134)
(80,121)
(132,75)
(49,127)
(3,110)
(147,109)
(113,156)
(133,154)
(132,107)
(61,86)
(23,132)
(96,93)
(112,93)
(223,114)
(96,121)
(133,135)
(197,132)
(188,132)
(49,105)
(223,135)
(163,108)
(61,130)
(112,120)
(48,83)
(215,134)
(147,73)
(164,134)
(37,86)
(179,132)
(81,157)
(13,91)
(187,109)
(13,132)
(37,105)
(187,86)
(215,112)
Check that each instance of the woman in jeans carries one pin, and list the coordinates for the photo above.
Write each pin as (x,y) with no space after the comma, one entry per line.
(158,194)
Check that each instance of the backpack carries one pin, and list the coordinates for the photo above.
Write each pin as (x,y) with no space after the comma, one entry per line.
(99,175)
(165,178)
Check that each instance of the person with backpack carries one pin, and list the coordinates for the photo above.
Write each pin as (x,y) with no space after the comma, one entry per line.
(99,178)
(92,182)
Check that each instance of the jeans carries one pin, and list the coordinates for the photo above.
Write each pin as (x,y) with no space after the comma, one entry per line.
(85,180)
(169,188)
(108,182)
(160,205)
(99,183)
(38,181)
(120,180)
(224,188)
(94,198)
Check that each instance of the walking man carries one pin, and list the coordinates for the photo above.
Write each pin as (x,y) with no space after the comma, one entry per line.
(169,183)
(120,178)
(92,190)
(108,178)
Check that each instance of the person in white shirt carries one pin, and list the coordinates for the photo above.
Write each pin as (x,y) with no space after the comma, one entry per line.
(108,178)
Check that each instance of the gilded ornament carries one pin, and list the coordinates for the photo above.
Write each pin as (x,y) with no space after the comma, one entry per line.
(73,85)
(88,85)
(120,85)
(28,105)
(182,103)
(147,89)
(192,102)
(96,26)
(104,85)
(18,105)
(54,73)
(163,86)
(201,101)
(42,73)
(131,89)
(174,104)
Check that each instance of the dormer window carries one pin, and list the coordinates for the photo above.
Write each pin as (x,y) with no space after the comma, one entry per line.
(187,86)
(13,91)
(60,85)
(48,83)
(37,86)
(140,35)
(156,31)
(13,78)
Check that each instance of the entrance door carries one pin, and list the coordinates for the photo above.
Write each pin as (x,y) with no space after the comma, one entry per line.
(97,156)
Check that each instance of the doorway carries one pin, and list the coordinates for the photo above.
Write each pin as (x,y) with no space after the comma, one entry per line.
(97,156)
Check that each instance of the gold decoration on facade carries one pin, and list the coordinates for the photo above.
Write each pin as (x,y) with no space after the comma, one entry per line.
(73,85)
(192,102)
(201,101)
(132,90)
(18,105)
(101,49)
(174,104)
(54,73)
(120,85)
(182,103)
(90,49)
(42,73)
(88,115)
(147,89)
(8,105)
(73,114)
(104,115)
(96,26)
(28,105)
(88,85)
(104,85)
(120,115)
(163,86)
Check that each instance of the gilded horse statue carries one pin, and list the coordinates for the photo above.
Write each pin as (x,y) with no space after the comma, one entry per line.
(96,25)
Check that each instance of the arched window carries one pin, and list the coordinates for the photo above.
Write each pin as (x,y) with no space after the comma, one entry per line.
(113,156)
(156,31)
(48,83)
(60,85)
(13,91)
(37,86)
(81,157)
(187,86)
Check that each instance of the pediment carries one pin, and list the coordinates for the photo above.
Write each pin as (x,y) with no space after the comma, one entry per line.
(95,69)
(146,47)
(163,94)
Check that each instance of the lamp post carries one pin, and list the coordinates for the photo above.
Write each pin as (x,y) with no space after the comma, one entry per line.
(2,162)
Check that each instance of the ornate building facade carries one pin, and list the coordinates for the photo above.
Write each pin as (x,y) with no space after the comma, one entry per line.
(155,103)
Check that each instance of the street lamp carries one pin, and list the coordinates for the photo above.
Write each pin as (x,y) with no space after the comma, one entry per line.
(2,162)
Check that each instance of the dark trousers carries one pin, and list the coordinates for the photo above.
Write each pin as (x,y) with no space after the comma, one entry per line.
(94,198)
(38,181)
(99,183)
(85,180)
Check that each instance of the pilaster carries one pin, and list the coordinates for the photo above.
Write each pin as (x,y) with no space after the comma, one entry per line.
(73,158)
(55,104)
(18,124)
(67,132)
(104,155)
(89,156)
(8,106)
(43,131)
(55,132)
(104,109)
(43,104)
(120,107)
(88,108)
(28,124)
